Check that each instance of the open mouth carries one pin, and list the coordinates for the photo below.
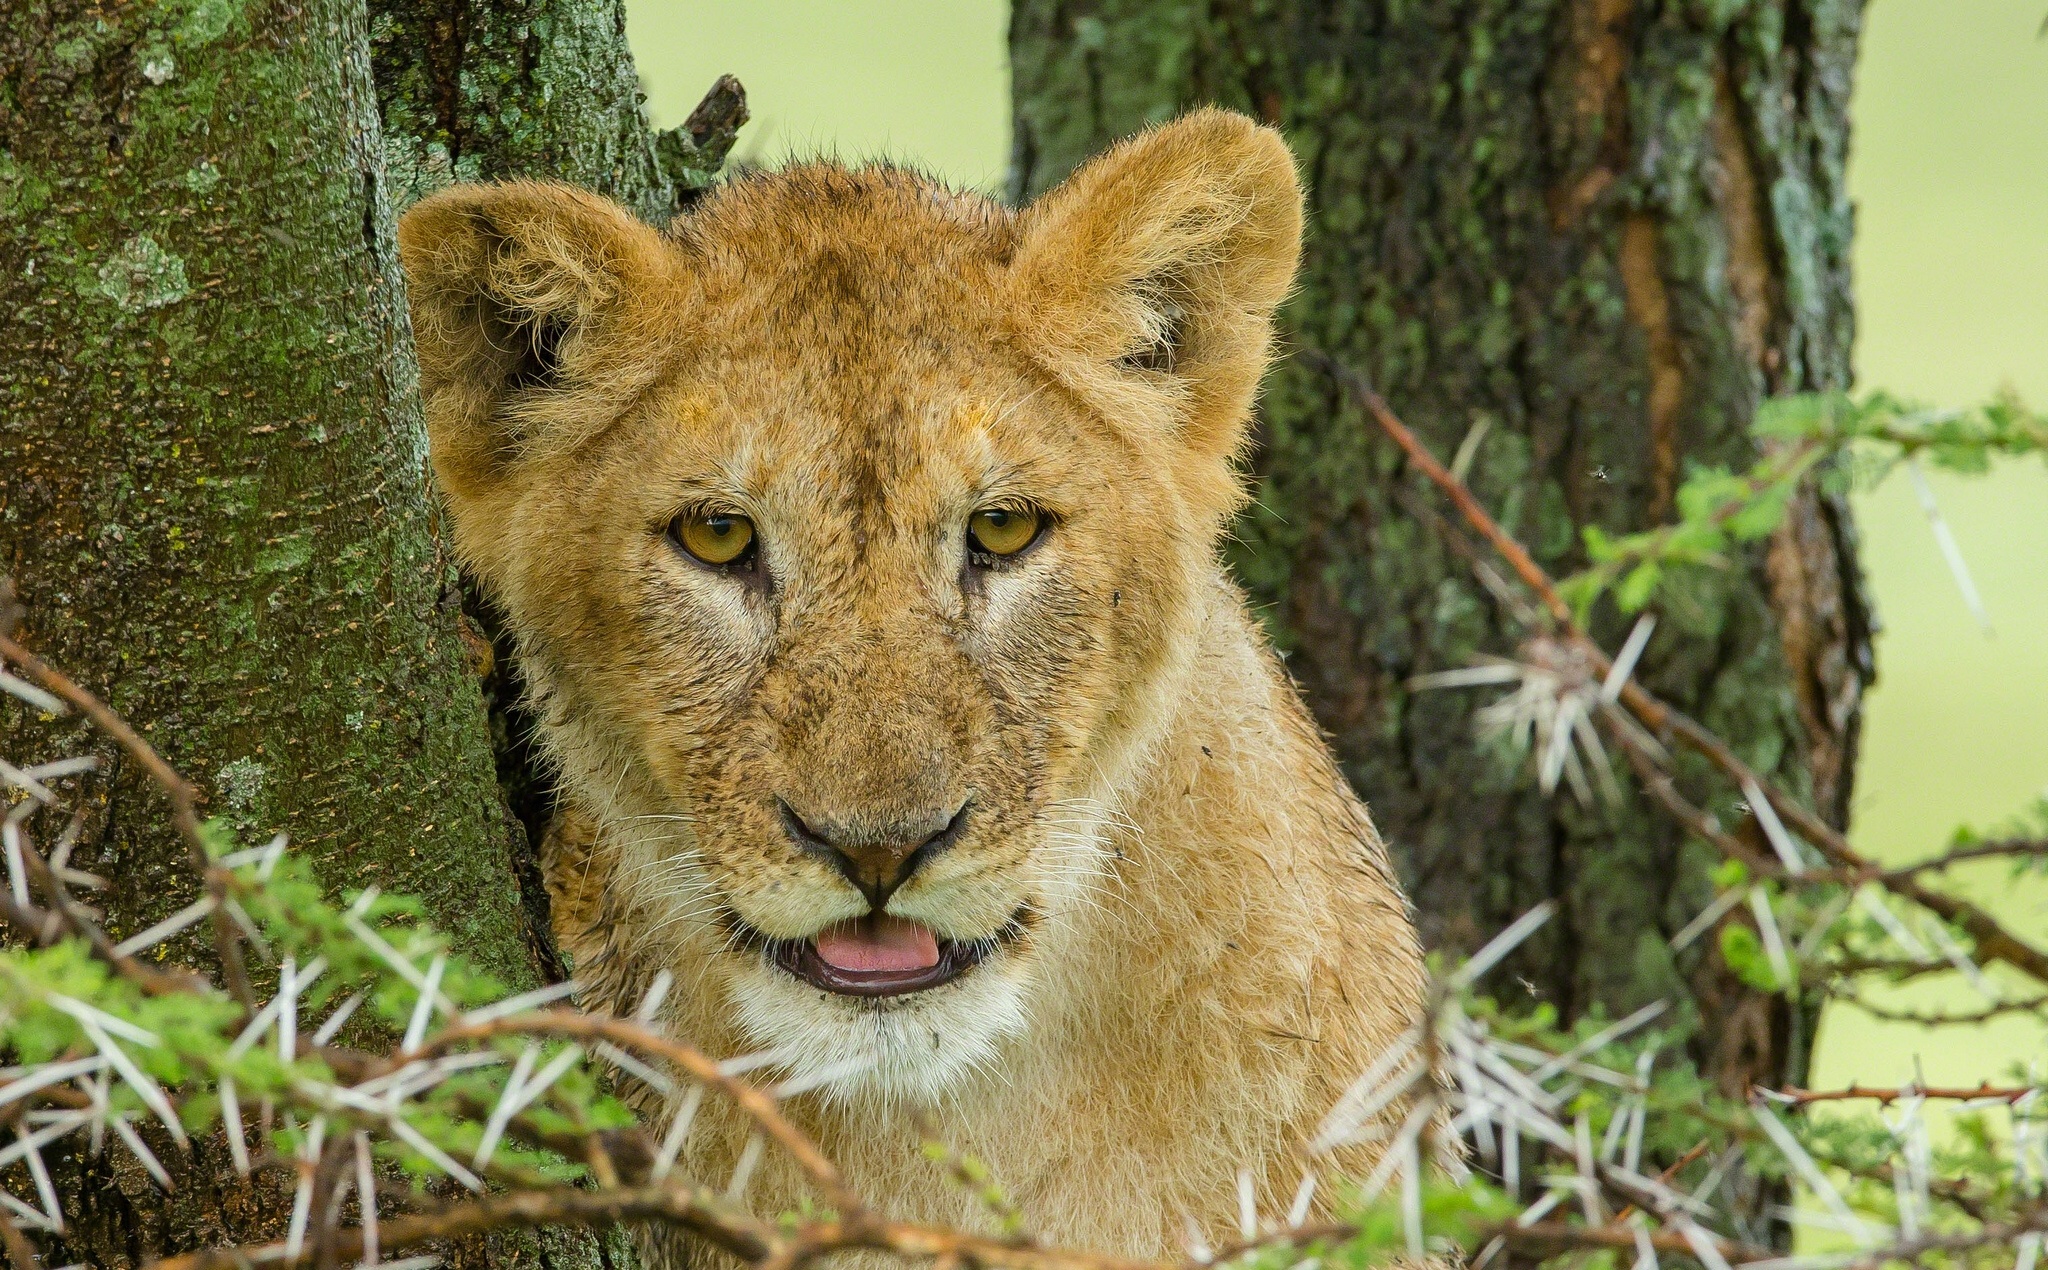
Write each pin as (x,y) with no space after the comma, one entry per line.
(882,956)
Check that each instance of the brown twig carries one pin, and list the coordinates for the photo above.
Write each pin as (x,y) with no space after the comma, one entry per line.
(1801,1097)
(1999,849)
(757,1104)
(1525,567)
(183,796)
(1677,1166)
(21,1255)
(2032,1005)
(1552,1238)
(695,1209)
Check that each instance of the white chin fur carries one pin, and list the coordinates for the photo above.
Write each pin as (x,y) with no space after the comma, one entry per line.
(911,1049)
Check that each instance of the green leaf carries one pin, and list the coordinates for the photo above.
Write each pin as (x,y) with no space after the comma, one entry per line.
(1637,588)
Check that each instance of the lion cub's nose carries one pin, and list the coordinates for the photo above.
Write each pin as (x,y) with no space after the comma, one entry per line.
(876,856)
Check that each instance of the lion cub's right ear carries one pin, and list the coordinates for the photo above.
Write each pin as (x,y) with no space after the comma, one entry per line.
(538,310)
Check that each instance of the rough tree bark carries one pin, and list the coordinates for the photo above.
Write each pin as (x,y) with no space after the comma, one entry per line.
(213,492)
(1599,230)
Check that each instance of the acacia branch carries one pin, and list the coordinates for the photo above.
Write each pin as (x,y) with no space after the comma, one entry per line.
(695,1209)
(757,1104)
(2032,1005)
(1993,941)
(183,796)
(1854,1093)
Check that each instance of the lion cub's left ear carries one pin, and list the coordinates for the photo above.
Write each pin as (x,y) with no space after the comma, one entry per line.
(1157,266)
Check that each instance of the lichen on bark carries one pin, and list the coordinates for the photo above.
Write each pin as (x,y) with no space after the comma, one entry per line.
(1599,230)
(534,88)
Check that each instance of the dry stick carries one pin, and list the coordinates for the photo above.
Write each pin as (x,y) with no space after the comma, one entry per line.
(1518,559)
(184,802)
(1993,941)
(1677,1166)
(1559,1237)
(1976,851)
(2032,1005)
(751,1100)
(21,1255)
(1800,1097)
(697,1210)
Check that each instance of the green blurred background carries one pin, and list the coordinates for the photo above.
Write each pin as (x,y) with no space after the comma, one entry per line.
(1949,170)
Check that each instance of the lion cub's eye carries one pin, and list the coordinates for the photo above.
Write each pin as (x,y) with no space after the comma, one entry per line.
(715,538)
(1002,531)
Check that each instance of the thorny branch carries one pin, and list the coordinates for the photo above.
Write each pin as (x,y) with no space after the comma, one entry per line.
(184,800)
(1986,1092)
(1993,941)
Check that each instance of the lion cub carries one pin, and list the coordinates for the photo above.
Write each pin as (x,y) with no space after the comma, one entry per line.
(860,541)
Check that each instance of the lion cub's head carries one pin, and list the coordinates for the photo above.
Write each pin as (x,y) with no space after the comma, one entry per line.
(854,533)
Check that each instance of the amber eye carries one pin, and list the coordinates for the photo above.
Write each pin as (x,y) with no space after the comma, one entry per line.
(716,538)
(1002,531)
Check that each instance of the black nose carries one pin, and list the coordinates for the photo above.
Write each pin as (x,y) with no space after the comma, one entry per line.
(876,857)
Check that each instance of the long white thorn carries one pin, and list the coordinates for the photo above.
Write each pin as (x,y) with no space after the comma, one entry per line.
(337,1019)
(17,871)
(523,1002)
(656,993)
(366,1196)
(1304,1195)
(1811,1173)
(508,1106)
(678,1132)
(166,928)
(1411,1195)
(1871,903)
(439,1158)
(140,1149)
(49,1074)
(423,1011)
(1704,922)
(302,1197)
(288,1010)
(1951,554)
(1501,945)
(1625,661)
(743,1172)
(41,1173)
(1592,1044)
(1774,828)
(35,696)
(145,1087)
(231,1122)
(1774,939)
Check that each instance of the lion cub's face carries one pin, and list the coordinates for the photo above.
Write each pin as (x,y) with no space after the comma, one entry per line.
(854,534)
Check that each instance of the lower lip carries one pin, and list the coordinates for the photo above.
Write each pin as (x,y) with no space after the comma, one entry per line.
(800,958)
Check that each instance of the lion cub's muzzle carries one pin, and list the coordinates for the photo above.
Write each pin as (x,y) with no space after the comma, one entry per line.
(879,954)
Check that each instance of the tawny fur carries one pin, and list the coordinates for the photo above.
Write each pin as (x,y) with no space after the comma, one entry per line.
(1213,943)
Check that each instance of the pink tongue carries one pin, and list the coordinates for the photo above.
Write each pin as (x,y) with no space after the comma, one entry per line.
(878,942)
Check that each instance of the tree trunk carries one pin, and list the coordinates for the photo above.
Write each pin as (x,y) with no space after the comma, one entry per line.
(1600,231)
(469,91)
(213,491)
(541,88)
